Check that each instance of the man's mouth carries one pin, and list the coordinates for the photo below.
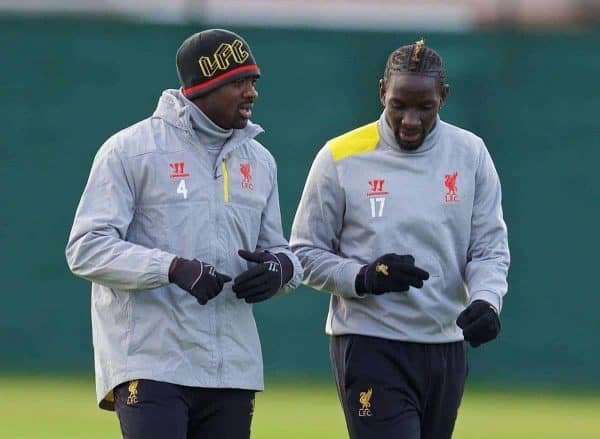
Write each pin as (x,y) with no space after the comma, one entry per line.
(245,111)
(410,136)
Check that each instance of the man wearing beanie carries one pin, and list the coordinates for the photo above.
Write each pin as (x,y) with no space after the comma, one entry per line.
(179,231)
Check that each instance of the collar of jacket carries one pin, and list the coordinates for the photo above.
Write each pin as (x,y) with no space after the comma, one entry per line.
(208,132)
(387,136)
(173,110)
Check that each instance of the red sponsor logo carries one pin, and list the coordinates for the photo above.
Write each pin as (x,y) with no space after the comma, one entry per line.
(245,170)
(376,188)
(450,183)
(177,170)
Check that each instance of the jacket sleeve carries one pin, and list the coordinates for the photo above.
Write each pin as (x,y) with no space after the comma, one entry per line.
(97,249)
(488,256)
(270,237)
(317,227)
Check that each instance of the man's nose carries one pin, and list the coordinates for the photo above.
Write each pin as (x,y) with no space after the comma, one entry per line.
(250,92)
(410,119)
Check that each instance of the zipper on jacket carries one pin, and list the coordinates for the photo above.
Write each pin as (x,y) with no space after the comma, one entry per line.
(225,180)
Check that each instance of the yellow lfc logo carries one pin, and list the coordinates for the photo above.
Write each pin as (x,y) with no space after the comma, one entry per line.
(222,57)
(133,393)
(365,401)
(383,269)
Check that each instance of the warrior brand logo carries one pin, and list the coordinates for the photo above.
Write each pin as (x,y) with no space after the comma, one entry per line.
(450,183)
(376,197)
(376,188)
(365,402)
(273,266)
(211,270)
(133,393)
(177,170)
(220,59)
(246,176)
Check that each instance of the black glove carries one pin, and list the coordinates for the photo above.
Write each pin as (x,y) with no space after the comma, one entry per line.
(262,281)
(199,279)
(390,272)
(480,323)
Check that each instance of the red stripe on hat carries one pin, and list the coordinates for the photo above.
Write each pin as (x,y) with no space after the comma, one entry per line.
(219,78)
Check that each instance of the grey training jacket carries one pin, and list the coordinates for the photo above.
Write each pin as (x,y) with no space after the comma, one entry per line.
(153,194)
(365,197)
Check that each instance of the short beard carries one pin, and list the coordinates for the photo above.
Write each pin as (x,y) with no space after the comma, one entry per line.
(240,124)
(410,146)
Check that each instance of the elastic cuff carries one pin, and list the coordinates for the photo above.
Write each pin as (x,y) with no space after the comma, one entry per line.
(489,296)
(172,266)
(345,280)
(165,264)
(297,271)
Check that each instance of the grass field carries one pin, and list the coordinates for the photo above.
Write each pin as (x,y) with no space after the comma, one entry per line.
(53,408)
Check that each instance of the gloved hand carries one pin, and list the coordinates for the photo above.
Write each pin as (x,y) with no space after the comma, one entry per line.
(480,323)
(198,278)
(390,272)
(262,281)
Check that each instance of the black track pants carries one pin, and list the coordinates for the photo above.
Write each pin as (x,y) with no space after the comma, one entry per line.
(398,390)
(156,410)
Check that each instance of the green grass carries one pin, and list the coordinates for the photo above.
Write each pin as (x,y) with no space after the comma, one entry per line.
(65,408)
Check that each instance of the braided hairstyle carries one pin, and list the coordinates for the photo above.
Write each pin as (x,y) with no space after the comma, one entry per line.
(415,58)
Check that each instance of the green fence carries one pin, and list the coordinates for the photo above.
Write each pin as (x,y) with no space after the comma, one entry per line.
(66,85)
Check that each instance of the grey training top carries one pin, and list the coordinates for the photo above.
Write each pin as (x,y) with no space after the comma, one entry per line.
(154,193)
(366,197)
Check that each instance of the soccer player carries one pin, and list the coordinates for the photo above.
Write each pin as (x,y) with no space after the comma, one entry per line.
(175,207)
(401,222)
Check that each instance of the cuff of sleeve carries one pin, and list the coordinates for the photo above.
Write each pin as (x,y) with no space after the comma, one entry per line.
(489,296)
(298,272)
(345,280)
(165,264)
(296,279)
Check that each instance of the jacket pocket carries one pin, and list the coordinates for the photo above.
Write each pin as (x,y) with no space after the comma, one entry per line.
(187,227)
(245,222)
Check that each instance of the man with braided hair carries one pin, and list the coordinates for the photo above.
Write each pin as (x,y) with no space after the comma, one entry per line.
(401,222)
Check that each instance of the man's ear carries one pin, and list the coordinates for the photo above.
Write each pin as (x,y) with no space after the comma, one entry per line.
(444,94)
(382,92)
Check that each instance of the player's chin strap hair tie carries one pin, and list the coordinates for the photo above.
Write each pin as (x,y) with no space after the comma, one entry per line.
(417,49)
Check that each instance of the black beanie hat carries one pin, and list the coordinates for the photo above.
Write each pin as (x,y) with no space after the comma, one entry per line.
(212,58)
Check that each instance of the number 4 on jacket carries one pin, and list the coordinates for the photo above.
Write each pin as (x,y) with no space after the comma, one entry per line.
(181,189)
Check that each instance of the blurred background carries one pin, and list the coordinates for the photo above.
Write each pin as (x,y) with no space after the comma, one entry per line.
(524,76)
